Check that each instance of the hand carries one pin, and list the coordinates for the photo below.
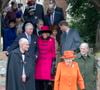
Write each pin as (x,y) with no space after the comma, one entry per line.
(24,78)
(6,53)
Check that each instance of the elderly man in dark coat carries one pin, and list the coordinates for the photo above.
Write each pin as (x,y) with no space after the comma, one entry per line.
(28,34)
(70,39)
(87,65)
(20,68)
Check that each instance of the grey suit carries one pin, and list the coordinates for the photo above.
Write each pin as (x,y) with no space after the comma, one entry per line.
(70,40)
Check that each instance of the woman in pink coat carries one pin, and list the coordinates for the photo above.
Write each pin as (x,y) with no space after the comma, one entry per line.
(46,55)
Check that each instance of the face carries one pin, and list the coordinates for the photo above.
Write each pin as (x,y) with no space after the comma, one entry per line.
(40,24)
(29,29)
(69,60)
(45,35)
(18,19)
(14,6)
(84,50)
(12,25)
(33,1)
(54,32)
(63,28)
(25,46)
(51,4)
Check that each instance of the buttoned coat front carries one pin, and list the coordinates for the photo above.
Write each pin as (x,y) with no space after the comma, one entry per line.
(67,78)
(88,70)
(46,53)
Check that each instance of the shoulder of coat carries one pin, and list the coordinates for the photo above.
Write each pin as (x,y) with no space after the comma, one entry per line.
(51,39)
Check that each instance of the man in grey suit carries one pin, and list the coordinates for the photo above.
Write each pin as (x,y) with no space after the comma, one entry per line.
(70,39)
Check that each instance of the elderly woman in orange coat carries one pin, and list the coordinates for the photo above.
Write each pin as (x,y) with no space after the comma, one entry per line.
(68,75)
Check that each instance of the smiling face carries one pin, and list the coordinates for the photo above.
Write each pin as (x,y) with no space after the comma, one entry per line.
(84,49)
(69,60)
(24,45)
(29,29)
(45,35)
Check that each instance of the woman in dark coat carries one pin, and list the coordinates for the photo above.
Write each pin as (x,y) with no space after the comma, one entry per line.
(20,68)
(9,34)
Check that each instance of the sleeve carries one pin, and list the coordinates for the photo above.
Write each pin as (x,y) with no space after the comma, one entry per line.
(10,77)
(42,13)
(57,77)
(77,40)
(25,15)
(95,69)
(80,79)
(53,49)
(6,41)
(36,48)
(14,45)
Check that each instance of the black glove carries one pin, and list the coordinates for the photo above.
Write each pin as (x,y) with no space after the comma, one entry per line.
(53,67)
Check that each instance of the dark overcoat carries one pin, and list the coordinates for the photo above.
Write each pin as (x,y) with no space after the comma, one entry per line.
(14,71)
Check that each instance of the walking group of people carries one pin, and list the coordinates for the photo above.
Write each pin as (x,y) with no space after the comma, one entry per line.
(31,42)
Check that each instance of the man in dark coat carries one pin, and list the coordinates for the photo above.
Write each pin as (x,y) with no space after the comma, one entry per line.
(52,3)
(20,68)
(70,39)
(28,34)
(39,11)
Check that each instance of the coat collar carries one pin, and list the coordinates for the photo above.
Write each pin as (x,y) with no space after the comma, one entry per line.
(79,55)
(17,51)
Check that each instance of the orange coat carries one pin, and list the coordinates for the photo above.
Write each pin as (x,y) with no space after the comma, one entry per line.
(67,78)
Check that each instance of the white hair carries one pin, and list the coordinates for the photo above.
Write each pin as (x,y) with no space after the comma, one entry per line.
(28,25)
(85,45)
(23,40)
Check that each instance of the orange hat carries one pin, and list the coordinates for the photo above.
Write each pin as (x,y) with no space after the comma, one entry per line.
(68,54)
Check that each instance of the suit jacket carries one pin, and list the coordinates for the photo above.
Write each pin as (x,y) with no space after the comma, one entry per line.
(67,78)
(70,41)
(57,18)
(39,12)
(33,45)
(58,9)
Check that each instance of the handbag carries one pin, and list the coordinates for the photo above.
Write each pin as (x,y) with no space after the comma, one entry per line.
(53,67)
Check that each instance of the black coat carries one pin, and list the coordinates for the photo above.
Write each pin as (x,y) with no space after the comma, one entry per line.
(57,18)
(58,9)
(33,46)
(14,72)
(39,12)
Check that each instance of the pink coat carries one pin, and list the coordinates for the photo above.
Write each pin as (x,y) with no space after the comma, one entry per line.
(46,53)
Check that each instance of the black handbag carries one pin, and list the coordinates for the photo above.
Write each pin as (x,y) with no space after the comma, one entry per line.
(53,67)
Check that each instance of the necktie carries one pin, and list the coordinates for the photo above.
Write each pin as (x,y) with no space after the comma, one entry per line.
(23,72)
(29,39)
(52,18)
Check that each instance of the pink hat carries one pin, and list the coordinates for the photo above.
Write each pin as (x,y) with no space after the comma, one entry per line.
(45,29)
